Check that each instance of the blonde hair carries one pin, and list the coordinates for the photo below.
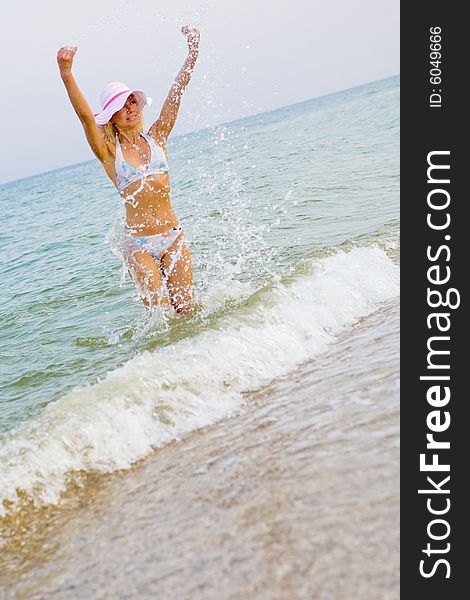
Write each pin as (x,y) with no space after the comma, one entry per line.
(109,131)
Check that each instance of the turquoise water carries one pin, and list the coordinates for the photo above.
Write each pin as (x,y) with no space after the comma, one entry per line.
(263,200)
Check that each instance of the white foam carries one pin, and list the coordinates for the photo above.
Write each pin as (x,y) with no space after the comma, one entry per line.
(159,396)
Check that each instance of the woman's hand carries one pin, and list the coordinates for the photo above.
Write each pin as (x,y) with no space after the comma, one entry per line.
(162,127)
(192,37)
(65,58)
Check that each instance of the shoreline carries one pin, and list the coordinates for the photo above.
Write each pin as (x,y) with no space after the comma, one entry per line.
(294,495)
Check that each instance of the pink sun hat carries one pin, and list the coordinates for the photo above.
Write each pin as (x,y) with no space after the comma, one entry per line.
(113,98)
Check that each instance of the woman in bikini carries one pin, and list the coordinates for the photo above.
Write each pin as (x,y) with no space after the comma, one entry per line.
(156,254)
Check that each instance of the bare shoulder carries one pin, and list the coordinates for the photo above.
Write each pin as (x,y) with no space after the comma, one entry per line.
(109,153)
(159,138)
(158,135)
(111,148)
(108,160)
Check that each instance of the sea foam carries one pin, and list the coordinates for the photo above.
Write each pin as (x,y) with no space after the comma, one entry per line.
(161,395)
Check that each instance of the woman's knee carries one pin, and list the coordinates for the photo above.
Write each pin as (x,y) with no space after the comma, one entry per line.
(182,298)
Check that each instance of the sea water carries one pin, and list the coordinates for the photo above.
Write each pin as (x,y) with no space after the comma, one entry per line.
(292,219)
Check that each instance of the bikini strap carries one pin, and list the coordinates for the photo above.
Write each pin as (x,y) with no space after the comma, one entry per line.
(151,141)
(118,144)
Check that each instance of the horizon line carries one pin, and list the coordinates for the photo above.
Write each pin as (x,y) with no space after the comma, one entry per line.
(195,131)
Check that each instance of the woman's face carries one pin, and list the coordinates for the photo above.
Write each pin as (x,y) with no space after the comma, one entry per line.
(129,114)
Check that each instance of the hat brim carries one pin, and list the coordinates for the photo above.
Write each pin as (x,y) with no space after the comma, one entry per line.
(104,116)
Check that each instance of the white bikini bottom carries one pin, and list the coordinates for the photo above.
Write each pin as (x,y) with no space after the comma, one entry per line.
(156,245)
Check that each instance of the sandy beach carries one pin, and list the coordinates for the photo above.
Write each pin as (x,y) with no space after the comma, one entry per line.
(294,497)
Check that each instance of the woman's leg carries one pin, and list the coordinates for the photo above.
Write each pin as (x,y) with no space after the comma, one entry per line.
(178,271)
(146,273)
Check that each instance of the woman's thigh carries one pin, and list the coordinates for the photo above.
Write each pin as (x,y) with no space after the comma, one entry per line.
(178,270)
(148,278)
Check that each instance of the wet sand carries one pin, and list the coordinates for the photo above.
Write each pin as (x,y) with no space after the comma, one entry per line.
(294,497)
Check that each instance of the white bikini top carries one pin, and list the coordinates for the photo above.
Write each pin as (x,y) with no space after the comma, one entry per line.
(127,174)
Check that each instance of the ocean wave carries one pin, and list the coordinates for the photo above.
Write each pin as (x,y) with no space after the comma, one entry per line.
(161,395)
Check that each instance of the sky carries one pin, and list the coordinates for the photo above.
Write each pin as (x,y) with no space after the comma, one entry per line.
(256,55)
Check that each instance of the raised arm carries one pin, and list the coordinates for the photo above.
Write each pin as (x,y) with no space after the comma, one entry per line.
(93,134)
(162,127)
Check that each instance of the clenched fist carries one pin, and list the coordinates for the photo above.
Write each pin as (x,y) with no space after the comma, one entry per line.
(192,37)
(65,58)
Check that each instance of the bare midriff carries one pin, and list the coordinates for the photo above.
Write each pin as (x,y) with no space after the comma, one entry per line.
(148,206)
